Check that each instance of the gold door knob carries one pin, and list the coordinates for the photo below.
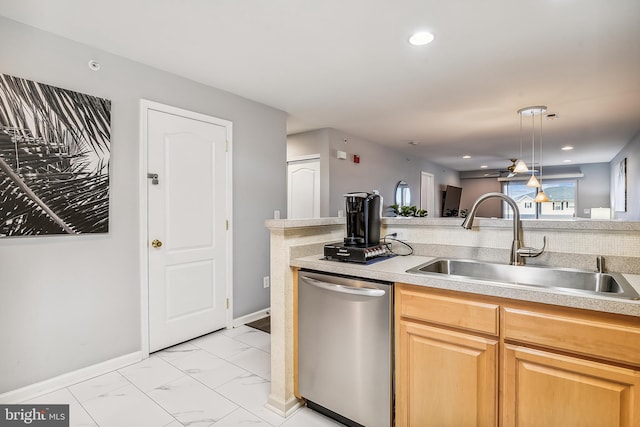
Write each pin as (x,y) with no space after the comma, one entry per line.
(156,243)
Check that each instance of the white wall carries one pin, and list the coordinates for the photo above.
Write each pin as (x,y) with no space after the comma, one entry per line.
(68,302)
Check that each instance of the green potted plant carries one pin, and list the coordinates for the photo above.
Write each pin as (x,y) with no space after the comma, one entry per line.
(408,211)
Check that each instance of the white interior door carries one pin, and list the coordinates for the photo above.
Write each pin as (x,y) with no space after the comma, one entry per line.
(187,226)
(303,188)
(427,193)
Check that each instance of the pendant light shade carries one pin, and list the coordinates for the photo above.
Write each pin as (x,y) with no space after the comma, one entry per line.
(521,167)
(533,181)
(541,197)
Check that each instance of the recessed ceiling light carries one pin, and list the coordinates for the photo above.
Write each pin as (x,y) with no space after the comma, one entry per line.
(421,38)
(567,148)
(567,161)
(484,167)
(466,156)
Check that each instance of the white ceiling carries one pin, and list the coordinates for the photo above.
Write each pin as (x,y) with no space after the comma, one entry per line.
(346,64)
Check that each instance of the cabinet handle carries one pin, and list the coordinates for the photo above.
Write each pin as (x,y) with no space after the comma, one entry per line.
(334,287)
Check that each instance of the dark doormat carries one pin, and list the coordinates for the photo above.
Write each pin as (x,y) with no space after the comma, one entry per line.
(263,324)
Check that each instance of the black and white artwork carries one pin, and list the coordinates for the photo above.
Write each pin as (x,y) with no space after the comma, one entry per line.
(620,185)
(54,160)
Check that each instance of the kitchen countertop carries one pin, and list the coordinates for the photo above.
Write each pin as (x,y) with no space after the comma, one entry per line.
(394,270)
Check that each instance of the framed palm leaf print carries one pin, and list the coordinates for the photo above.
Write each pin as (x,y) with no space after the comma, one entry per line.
(54,160)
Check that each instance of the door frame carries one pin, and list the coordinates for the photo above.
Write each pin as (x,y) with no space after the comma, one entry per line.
(428,193)
(145,106)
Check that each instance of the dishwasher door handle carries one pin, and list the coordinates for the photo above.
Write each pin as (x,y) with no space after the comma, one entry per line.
(334,287)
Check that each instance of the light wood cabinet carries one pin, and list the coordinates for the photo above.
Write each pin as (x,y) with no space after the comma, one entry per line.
(543,389)
(556,366)
(445,376)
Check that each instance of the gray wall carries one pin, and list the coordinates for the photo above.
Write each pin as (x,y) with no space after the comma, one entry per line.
(68,302)
(632,153)
(474,188)
(593,188)
(380,168)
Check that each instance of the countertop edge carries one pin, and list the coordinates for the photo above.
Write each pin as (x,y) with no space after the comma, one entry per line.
(581,224)
(394,270)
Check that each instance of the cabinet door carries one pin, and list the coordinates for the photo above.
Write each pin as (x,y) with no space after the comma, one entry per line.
(546,389)
(445,378)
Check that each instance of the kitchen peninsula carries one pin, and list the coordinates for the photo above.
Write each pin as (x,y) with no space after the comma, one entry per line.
(572,243)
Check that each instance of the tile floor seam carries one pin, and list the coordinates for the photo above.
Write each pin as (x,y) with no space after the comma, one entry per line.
(149,397)
(235,364)
(176,419)
(238,404)
(227,382)
(206,385)
(81,405)
(99,395)
(119,388)
(172,416)
(244,369)
(266,379)
(252,412)
(200,382)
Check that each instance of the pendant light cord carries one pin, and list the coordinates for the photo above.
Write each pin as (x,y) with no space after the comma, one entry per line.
(541,114)
(533,143)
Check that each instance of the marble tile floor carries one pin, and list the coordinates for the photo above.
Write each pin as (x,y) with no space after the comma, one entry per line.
(221,379)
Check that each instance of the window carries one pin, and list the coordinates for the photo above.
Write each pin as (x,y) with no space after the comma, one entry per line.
(562,196)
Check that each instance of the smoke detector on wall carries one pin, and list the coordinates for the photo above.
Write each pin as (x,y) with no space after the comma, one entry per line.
(94,65)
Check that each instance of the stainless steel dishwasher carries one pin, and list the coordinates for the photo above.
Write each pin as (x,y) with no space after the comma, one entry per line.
(345,348)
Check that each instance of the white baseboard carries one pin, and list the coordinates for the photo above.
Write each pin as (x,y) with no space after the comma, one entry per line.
(284,409)
(47,386)
(251,317)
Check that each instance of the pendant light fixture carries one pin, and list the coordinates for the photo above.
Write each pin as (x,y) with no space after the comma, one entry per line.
(541,197)
(533,181)
(521,166)
(533,111)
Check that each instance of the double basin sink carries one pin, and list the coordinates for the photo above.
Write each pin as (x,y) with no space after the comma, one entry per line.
(563,279)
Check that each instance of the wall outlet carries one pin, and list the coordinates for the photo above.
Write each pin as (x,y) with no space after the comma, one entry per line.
(265,282)
(402,234)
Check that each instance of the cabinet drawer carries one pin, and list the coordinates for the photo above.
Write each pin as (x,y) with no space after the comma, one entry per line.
(618,342)
(445,310)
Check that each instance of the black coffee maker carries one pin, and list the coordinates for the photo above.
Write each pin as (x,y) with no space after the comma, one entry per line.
(364,211)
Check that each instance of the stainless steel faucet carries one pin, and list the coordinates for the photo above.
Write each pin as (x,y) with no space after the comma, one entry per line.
(517,250)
